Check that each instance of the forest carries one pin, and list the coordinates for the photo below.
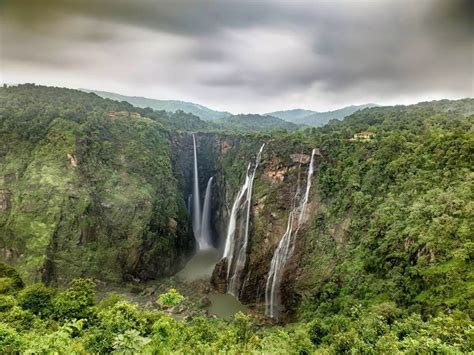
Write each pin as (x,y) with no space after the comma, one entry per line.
(93,209)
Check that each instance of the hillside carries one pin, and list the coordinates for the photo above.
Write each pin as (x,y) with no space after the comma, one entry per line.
(317,119)
(165,105)
(253,122)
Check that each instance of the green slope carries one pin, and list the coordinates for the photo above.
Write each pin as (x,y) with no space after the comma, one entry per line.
(165,105)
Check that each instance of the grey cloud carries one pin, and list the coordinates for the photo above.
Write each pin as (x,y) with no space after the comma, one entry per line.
(207,50)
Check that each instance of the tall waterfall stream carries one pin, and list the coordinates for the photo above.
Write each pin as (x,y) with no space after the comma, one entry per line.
(285,248)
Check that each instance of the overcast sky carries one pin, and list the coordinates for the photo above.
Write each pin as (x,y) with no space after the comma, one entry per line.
(244,56)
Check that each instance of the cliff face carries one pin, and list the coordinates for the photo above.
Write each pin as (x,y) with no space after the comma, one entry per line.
(84,192)
(282,168)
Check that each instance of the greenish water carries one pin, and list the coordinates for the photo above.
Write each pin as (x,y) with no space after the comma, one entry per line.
(224,305)
(200,267)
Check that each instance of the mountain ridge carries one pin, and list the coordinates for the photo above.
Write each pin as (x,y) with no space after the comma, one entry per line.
(198,110)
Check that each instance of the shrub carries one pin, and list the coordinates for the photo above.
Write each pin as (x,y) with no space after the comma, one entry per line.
(20,319)
(121,317)
(6,303)
(317,331)
(110,300)
(170,298)
(74,303)
(10,341)
(129,342)
(37,299)
(10,280)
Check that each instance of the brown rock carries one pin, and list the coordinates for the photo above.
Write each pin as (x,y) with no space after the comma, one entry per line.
(300,158)
(219,276)
(5,200)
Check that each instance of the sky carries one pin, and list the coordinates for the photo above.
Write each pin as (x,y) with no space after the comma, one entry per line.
(247,55)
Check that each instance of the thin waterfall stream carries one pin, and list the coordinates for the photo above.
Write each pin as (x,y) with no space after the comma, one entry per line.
(206,242)
(196,211)
(235,250)
(297,217)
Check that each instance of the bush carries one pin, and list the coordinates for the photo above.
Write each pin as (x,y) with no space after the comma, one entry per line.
(170,298)
(317,331)
(20,319)
(10,280)
(120,317)
(110,300)
(74,303)
(37,299)
(6,303)
(10,341)
(130,342)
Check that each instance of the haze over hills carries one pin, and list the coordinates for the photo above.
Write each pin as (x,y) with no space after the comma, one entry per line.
(202,112)
(295,116)
(314,118)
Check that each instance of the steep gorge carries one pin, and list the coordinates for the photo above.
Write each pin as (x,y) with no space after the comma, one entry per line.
(102,192)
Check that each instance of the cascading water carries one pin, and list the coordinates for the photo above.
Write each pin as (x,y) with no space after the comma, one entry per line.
(285,248)
(205,238)
(196,211)
(237,235)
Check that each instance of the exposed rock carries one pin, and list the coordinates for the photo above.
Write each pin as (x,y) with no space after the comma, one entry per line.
(8,178)
(225,146)
(338,231)
(219,276)
(300,158)
(72,160)
(277,175)
(172,224)
(259,206)
(5,200)
(149,291)
(205,301)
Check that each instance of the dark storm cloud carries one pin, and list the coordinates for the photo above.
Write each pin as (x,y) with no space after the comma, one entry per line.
(245,54)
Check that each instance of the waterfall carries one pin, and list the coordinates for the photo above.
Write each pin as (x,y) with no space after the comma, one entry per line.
(285,248)
(196,199)
(237,235)
(205,239)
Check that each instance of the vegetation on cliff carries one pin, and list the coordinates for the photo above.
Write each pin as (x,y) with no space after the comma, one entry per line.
(89,187)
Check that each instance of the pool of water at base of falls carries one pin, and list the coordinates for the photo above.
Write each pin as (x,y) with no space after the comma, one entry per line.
(200,267)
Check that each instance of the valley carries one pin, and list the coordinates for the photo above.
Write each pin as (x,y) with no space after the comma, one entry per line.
(280,238)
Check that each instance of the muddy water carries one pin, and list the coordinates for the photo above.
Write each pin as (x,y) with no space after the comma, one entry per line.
(224,305)
(200,267)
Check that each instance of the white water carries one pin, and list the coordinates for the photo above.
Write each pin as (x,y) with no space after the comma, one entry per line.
(205,238)
(196,212)
(237,238)
(285,248)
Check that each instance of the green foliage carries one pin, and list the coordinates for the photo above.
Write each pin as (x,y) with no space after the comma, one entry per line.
(10,280)
(6,303)
(89,185)
(75,302)
(386,265)
(170,299)
(10,341)
(243,123)
(129,342)
(37,298)
(395,214)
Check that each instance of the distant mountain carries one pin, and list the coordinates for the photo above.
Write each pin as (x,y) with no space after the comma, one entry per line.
(314,118)
(291,115)
(166,105)
(254,122)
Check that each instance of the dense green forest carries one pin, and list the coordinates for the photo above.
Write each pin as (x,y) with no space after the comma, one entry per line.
(89,194)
